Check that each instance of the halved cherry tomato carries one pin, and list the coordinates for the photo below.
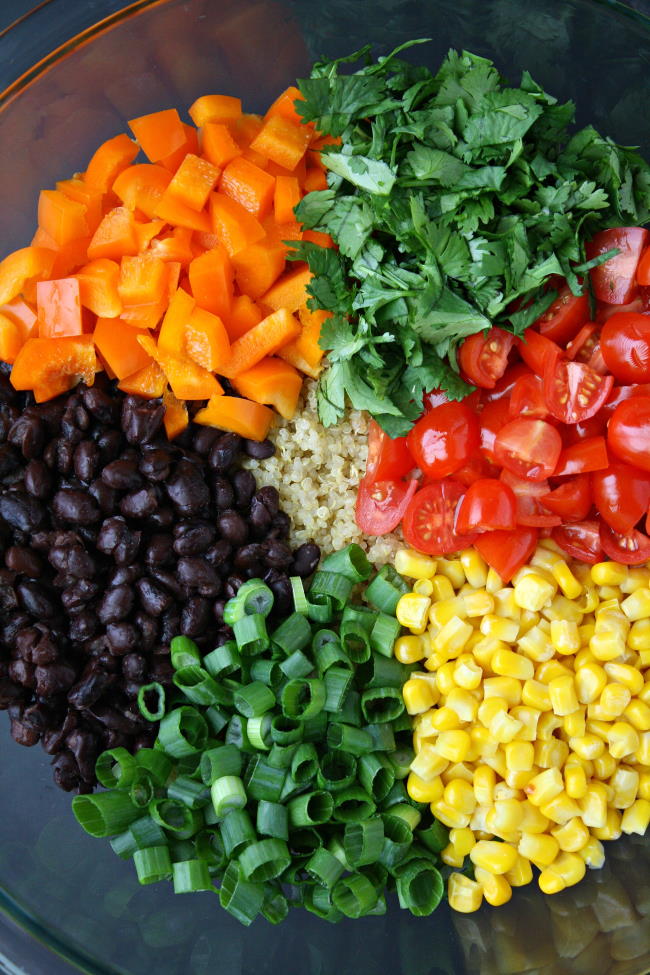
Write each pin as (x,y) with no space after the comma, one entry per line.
(581,541)
(561,321)
(429,522)
(643,268)
(630,549)
(528,495)
(483,358)
(614,281)
(571,501)
(493,417)
(581,347)
(637,304)
(629,431)
(444,439)
(381,504)
(625,346)
(528,448)
(507,551)
(527,398)
(573,391)
(583,457)
(475,469)
(622,495)
(388,459)
(595,426)
(489,505)
(506,384)
(536,350)
(621,393)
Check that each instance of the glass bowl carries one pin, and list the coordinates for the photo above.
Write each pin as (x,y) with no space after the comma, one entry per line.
(71,79)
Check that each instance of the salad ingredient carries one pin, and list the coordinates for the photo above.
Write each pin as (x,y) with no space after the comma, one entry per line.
(430,519)
(113,541)
(528,448)
(285,764)
(574,392)
(562,320)
(532,746)
(381,505)
(629,431)
(625,346)
(426,179)
(488,505)
(483,358)
(507,551)
(444,439)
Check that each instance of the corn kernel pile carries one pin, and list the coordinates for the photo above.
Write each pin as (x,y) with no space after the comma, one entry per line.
(532,717)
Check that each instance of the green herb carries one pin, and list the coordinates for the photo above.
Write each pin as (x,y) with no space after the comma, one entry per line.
(450,197)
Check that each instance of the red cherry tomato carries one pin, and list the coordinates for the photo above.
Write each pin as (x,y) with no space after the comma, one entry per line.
(507,551)
(629,431)
(474,470)
(527,398)
(489,505)
(622,495)
(381,504)
(536,350)
(506,384)
(630,549)
(636,305)
(444,439)
(621,393)
(436,397)
(595,426)
(571,501)
(573,391)
(614,281)
(643,268)
(493,417)
(528,495)
(564,317)
(429,521)
(625,346)
(483,357)
(583,457)
(581,541)
(388,459)
(528,448)
(582,347)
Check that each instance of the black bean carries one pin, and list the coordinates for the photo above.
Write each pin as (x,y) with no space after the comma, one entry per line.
(9,693)
(65,771)
(102,406)
(117,539)
(22,672)
(161,670)
(10,626)
(82,626)
(224,451)
(248,554)
(53,679)
(89,689)
(73,560)
(86,461)
(24,734)
(244,486)
(24,560)
(84,747)
(204,438)
(46,648)
(259,449)
(154,599)
(277,554)
(122,474)
(49,455)
(195,616)
(168,580)
(222,492)
(148,628)
(76,596)
(53,741)
(65,449)
(82,418)
(197,573)
(40,715)
(122,637)
(134,666)
(233,585)
(9,460)
(169,626)
(187,489)
(105,497)
(160,550)
(21,511)
(155,463)
(218,554)
(116,604)
(110,445)
(232,527)
(163,517)
(8,597)
(259,517)
(107,661)
(141,419)
(28,433)
(139,504)
(35,599)
(305,559)
(282,591)
(75,507)
(111,718)
(38,479)
(280,526)
(193,538)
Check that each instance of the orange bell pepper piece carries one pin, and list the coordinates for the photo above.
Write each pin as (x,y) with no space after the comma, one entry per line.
(176,246)
(248,185)
(147,315)
(266,338)
(287,196)
(53,387)
(176,417)
(187,379)
(218,145)
(23,315)
(305,352)
(315,179)
(193,181)
(67,258)
(318,237)
(258,266)
(176,320)
(159,134)
(282,141)
(117,343)
(191,144)
(59,308)
(215,108)
(284,107)
(98,287)
(22,268)
(115,237)
(206,340)
(272,382)
(290,291)
(143,279)
(211,279)
(235,227)
(282,234)
(174,211)
(44,361)
(242,416)
(108,161)
(145,232)
(11,339)
(61,218)
(90,197)
(148,382)
(244,314)
(140,187)
(247,128)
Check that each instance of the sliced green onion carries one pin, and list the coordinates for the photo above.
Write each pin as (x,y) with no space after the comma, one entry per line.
(254,699)
(190,765)
(105,813)
(354,896)
(259,731)
(116,768)
(376,775)
(311,809)
(318,900)
(300,603)
(275,907)
(256,597)
(352,805)
(184,652)
(362,616)
(239,897)
(331,584)
(263,780)
(157,692)
(188,791)
(398,837)
(331,654)
(152,864)
(181,850)
(190,875)
(322,637)
(383,739)
(338,770)
(304,764)
(384,633)
(351,562)
(420,887)
(292,634)
(376,873)
(403,723)
(286,731)
(250,634)
(324,867)
(314,728)
(320,608)
(266,671)
(363,841)
(337,683)
(209,847)
(304,840)
(264,860)
(175,817)
(302,698)
(236,733)
(401,761)
(272,819)
(396,795)
(220,761)
(197,686)
(385,672)
(141,790)
(380,704)
(410,815)
(183,732)
(355,642)
(237,831)
(435,837)
(351,710)
(223,661)
(349,739)
(386,590)
(281,756)
(227,793)
(158,765)
(335,847)
(380,907)
(292,788)
(142,833)
(296,665)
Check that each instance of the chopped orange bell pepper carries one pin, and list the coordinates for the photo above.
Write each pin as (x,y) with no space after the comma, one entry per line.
(247,127)
(187,379)
(244,314)
(53,387)
(235,227)
(159,134)
(176,320)
(109,160)
(117,343)
(290,291)
(146,315)
(284,107)
(258,266)
(62,218)
(58,305)
(23,267)
(211,279)
(305,352)
(148,382)
(143,279)
(145,232)
(98,287)
(193,181)
(287,196)
(115,237)
(11,339)
(176,417)
(272,382)
(23,315)
(250,420)
(206,340)
(266,338)
(176,246)
(282,141)
(89,196)
(215,108)
(43,361)
(174,211)
(315,179)
(248,185)
(218,145)
(140,187)
(282,234)
(318,237)
(191,145)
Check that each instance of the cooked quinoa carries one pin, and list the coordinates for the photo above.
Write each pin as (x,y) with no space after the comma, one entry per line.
(317,472)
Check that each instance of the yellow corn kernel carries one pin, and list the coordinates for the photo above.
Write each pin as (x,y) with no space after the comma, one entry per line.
(464,895)
(639,636)
(608,573)
(533,592)
(637,605)
(451,856)
(550,882)
(452,569)
(423,587)
(442,588)
(612,828)
(570,867)
(590,681)
(463,703)
(561,809)
(625,783)
(414,565)
(418,696)
(444,719)
(564,699)
(570,586)
(462,840)
(623,739)
(534,821)
(475,568)
(484,782)
(496,889)
(590,600)
(644,695)
(489,708)
(544,787)
(412,611)
(509,688)
(527,621)
(504,727)
(583,656)
(506,663)
(613,700)
(521,874)
(467,673)
(552,753)
(496,858)
(536,645)
(575,781)
(494,582)
(519,780)
(642,754)
(587,747)
(421,791)
(604,766)
(445,677)
(444,610)
(500,628)
(505,815)
(482,742)
(593,853)
(453,745)
(449,816)
(459,770)
(536,695)
(637,577)
(428,764)
(565,637)
(460,795)
(551,669)
(572,836)
(575,725)
(478,603)
(607,645)
(505,605)
(636,817)
(409,649)
(548,724)
(593,806)
(452,638)
(625,675)
(538,847)
(519,756)
(608,592)
(561,608)
(638,714)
